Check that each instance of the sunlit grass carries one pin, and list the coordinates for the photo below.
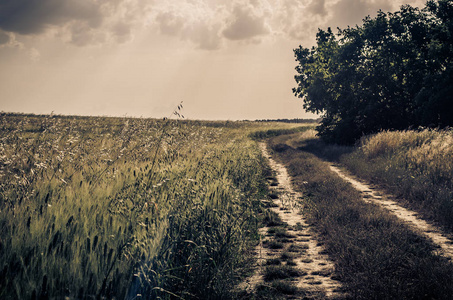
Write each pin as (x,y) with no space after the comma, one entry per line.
(115,207)
(376,256)
(415,165)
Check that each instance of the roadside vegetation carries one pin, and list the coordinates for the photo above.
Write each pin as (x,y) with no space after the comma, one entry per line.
(392,72)
(416,166)
(375,255)
(121,207)
(94,207)
(385,87)
(413,165)
(268,133)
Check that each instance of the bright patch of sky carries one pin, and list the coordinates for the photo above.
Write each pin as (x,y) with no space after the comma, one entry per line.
(226,60)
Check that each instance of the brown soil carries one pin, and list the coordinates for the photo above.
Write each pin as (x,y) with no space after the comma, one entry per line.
(316,270)
(372,194)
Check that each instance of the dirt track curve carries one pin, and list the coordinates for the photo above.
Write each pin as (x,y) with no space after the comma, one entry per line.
(372,195)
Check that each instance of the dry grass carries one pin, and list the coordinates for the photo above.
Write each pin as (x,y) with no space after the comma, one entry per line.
(376,257)
(415,165)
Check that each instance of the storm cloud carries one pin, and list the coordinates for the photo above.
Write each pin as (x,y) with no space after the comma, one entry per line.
(207,24)
(245,24)
(352,12)
(81,22)
(34,16)
(225,59)
(4,38)
(197,26)
(318,7)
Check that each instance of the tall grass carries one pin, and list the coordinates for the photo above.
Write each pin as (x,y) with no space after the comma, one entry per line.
(375,255)
(415,165)
(116,207)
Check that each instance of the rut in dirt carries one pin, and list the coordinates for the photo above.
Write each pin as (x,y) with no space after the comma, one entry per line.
(371,194)
(315,277)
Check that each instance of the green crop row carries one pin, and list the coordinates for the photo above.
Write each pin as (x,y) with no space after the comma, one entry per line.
(120,207)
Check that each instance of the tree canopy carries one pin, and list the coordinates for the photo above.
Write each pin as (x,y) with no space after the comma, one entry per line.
(395,71)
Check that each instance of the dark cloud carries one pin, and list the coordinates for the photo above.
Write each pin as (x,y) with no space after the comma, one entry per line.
(295,19)
(206,36)
(352,12)
(4,38)
(300,19)
(202,32)
(80,22)
(34,16)
(245,24)
(82,35)
(318,7)
(208,24)
(169,23)
(122,31)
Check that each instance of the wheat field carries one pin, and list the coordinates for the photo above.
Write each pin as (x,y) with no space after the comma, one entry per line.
(119,207)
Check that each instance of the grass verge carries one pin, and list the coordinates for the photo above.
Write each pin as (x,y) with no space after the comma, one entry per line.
(376,256)
(414,165)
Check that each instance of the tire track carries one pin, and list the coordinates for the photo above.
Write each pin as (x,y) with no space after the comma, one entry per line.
(316,278)
(372,195)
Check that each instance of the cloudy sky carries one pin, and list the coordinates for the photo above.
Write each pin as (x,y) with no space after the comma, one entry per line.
(225,60)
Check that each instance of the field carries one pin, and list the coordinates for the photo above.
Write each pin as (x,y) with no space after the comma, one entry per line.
(124,208)
(115,207)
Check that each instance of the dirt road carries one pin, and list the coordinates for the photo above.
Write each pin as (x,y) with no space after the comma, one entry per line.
(315,277)
(372,195)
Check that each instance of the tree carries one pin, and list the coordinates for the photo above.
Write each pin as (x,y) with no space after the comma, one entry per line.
(435,100)
(392,72)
